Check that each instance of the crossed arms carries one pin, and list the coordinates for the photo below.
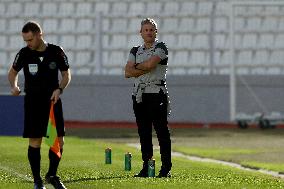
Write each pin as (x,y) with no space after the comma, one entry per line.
(136,70)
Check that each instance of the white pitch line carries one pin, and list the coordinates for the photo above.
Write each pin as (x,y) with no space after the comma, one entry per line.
(13,172)
(235,165)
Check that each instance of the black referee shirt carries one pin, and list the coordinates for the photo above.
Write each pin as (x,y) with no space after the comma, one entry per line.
(41,68)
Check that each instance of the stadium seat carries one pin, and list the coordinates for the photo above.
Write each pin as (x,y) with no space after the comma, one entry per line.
(203,25)
(277,57)
(14,9)
(261,57)
(266,41)
(221,41)
(239,24)
(3,26)
(204,8)
(68,42)
(181,58)
(15,25)
(279,41)
(249,41)
(199,58)
(49,9)
(119,7)
(71,57)
(222,8)
(85,25)
(136,8)
(134,25)
(188,8)
(118,24)
(83,58)
(31,9)
(170,40)
(50,25)
(221,24)
(2,9)
(84,9)
(3,60)
(84,42)
(102,7)
(171,8)
(184,41)
(169,25)
(116,59)
(67,25)
(253,24)
(105,24)
(118,41)
(153,8)
(201,42)
(186,25)
(3,41)
(66,9)
(269,24)
(225,58)
(133,40)
(15,43)
(52,38)
(244,57)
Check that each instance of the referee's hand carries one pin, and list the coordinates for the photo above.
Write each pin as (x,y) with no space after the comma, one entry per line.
(15,91)
(55,95)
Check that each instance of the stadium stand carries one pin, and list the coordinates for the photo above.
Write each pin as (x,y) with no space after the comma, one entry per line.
(184,25)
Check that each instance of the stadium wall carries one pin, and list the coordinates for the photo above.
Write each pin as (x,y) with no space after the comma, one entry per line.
(195,99)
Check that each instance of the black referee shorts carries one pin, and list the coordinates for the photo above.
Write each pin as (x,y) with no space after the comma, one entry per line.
(36,116)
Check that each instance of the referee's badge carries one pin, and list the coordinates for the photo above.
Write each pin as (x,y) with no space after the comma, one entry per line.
(52,65)
(33,68)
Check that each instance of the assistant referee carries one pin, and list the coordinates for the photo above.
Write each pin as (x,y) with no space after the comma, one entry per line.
(41,62)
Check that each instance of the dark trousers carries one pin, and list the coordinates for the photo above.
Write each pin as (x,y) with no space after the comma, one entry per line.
(152,111)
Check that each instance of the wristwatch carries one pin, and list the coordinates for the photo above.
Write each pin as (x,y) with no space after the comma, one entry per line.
(60,89)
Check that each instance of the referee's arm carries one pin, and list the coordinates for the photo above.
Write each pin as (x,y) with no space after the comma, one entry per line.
(13,80)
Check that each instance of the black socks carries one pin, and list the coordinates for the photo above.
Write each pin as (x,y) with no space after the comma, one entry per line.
(34,159)
(53,162)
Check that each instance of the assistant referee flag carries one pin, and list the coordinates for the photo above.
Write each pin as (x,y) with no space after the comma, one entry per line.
(51,133)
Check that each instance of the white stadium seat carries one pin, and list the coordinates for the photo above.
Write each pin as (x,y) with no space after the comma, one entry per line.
(249,40)
(119,24)
(279,41)
(261,57)
(66,9)
(116,59)
(188,8)
(181,58)
(266,41)
(15,25)
(15,42)
(244,57)
(169,39)
(201,42)
(49,9)
(169,24)
(203,25)
(199,58)
(184,41)
(68,41)
(83,58)
(31,9)
(136,8)
(186,25)
(50,25)
(3,59)
(14,9)
(153,8)
(3,26)
(204,8)
(67,25)
(221,24)
(119,7)
(102,7)
(85,25)
(84,42)
(52,38)
(3,41)
(171,8)
(118,41)
(84,9)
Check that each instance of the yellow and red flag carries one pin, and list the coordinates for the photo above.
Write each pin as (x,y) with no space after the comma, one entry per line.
(51,133)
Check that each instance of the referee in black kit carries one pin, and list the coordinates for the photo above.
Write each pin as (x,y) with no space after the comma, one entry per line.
(41,63)
(147,63)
